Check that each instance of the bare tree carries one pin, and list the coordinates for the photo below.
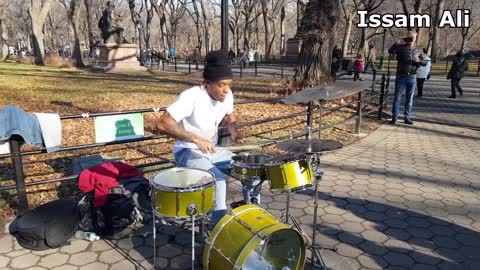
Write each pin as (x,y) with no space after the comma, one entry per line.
(271,10)
(249,18)
(175,11)
(435,34)
(349,12)
(195,14)
(90,25)
(417,9)
(234,21)
(161,12)
(317,31)
(369,6)
(3,31)
(468,32)
(74,9)
(38,13)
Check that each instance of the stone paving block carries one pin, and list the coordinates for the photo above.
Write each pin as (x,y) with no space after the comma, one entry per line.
(372,262)
(373,248)
(101,245)
(398,259)
(399,234)
(6,244)
(348,250)
(24,261)
(181,262)
(396,223)
(350,238)
(95,266)
(141,253)
(374,236)
(65,267)
(124,265)
(111,256)
(4,261)
(45,252)
(17,253)
(425,257)
(53,260)
(129,243)
(424,267)
(82,258)
(398,246)
(352,227)
(75,246)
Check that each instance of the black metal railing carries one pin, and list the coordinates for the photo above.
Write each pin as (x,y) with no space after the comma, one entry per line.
(313,113)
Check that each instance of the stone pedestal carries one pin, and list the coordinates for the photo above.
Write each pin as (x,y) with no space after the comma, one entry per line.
(118,58)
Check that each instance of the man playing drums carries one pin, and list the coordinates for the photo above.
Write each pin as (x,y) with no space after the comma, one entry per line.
(193,121)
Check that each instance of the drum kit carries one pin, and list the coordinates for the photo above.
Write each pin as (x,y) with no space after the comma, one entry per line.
(248,237)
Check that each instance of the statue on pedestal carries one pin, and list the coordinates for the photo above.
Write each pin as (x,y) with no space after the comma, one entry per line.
(112,31)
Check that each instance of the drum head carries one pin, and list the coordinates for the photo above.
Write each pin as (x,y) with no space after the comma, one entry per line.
(283,249)
(183,178)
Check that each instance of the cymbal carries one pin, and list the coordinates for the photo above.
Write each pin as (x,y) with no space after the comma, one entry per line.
(240,148)
(332,91)
(302,146)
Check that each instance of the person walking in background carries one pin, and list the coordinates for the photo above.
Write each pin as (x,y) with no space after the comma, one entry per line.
(456,73)
(251,58)
(357,67)
(409,59)
(256,58)
(423,73)
(337,57)
(371,58)
(231,57)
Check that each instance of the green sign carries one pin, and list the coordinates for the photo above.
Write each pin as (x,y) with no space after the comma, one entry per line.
(118,127)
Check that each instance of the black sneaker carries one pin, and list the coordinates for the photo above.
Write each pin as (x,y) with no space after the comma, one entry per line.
(408,122)
(393,121)
(452,96)
(234,205)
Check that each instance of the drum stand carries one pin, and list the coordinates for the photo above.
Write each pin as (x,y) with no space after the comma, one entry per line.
(253,190)
(316,258)
(192,211)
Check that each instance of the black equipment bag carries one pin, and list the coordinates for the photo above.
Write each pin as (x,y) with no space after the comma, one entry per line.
(47,226)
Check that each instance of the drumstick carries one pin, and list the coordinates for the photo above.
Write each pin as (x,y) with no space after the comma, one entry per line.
(239,148)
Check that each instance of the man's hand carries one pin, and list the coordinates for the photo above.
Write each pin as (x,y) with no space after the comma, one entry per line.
(205,146)
(238,137)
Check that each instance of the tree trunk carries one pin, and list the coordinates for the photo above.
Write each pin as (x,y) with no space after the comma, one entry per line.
(317,31)
(435,36)
(3,40)
(90,25)
(38,14)
(196,20)
(148,4)
(282,31)
(74,18)
(266,25)
(206,23)
(348,31)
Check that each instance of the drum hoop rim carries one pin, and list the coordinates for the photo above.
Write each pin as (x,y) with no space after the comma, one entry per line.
(184,189)
(249,165)
(285,161)
(181,218)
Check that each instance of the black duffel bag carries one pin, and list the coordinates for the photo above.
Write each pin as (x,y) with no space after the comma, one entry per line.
(50,225)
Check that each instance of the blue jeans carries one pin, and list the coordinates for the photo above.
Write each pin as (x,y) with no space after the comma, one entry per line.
(214,163)
(404,84)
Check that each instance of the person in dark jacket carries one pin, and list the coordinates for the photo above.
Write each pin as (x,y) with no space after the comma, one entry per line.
(456,73)
(409,60)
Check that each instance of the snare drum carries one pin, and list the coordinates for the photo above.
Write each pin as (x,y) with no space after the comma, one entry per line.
(176,190)
(249,166)
(290,172)
(251,238)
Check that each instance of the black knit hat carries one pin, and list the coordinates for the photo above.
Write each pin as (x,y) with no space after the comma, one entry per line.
(217,67)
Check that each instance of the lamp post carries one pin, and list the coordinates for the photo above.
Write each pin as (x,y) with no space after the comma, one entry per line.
(224,30)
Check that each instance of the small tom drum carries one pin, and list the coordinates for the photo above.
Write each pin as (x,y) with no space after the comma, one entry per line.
(182,192)
(290,172)
(249,167)
(251,238)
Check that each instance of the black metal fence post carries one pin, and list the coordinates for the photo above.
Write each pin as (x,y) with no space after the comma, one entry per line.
(478,67)
(175,63)
(163,64)
(15,144)
(281,74)
(255,65)
(382,97)
(189,67)
(196,64)
(320,109)
(359,113)
(373,80)
(241,70)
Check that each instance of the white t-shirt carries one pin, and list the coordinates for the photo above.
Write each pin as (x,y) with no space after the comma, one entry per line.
(198,113)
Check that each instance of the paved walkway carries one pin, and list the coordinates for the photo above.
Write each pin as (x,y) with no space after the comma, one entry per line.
(405,197)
